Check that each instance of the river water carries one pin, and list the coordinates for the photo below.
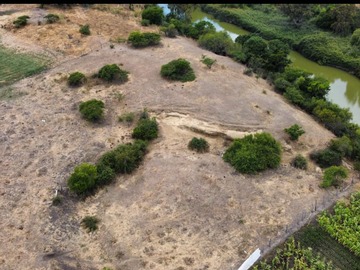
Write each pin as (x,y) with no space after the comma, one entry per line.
(344,88)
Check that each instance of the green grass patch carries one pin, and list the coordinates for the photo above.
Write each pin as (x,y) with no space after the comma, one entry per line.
(320,241)
(15,66)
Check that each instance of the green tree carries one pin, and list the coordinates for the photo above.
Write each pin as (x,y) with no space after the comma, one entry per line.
(297,13)
(334,176)
(199,144)
(254,153)
(92,110)
(83,179)
(218,42)
(178,70)
(76,79)
(113,72)
(146,129)
(154,14)
(138,39)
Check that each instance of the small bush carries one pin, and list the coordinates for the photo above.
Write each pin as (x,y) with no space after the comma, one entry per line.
(334,176)
(113,73)
(357,166)
(248,71)
(299,162)
(200,145)
(83,179)
(326,158)
(125,158)
(127,117)
(21,21)
(76,79)
(170,30)
(217,42)
(85,30)
(138,39)
(57,200)
(208,61)
(154,14)
(92,110)
(295,131)
(145,22)
(90,223)
(146,129)
(179,70)
(254,153)
(105,175)
(52,18)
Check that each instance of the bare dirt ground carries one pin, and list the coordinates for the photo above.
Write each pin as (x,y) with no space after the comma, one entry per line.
(180,210)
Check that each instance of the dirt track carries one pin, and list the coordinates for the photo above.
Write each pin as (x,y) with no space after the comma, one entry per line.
(179,210)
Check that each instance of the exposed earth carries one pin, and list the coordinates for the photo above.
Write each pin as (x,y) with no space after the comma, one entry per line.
(179,210)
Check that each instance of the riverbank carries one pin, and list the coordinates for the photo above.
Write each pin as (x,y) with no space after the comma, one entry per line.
(323,47)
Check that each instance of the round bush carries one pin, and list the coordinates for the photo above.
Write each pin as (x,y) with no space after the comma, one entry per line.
(113,72)
(198,144)
(76,79)
(85,29)
(254,153)
(52,18)
(218,42)
(146,129)
(334,176)
(179,70)
(326,157)
(92,110)
(90,223)
(154,14)
(138,39)
(295,131)
(83,179)
(299,162)
(21,21)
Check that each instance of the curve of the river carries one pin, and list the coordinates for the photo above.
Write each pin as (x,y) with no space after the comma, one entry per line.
(344,87)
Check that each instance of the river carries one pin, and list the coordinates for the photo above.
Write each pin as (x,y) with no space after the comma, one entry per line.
(344,88)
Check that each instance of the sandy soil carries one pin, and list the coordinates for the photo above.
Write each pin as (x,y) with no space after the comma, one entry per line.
(179,210)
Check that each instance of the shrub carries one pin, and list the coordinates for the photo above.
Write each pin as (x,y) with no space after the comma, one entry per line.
(90,223)
(92,110)
(125,158)
(83,179)
(52,18)
(154,14)
(326,158)
(218,42)
(21,21)
(254,153)
(113,72)
(200,145)
(248,71)
(342,145)
(299,162)
(170,30)
(145,22)
(357,166)
(200,28)
(355,38)
(146,129)
(57,200)
(179,70)
(138,39)
(105,175)
(127,117)
(85,30)
(295,131)
(76,79)
(208,61)
(334,176)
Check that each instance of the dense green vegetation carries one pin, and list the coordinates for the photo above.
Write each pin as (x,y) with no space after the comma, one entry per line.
(52,18)
(146,129)
(343,224)
(76,79)
(15,66)
(316,238)
(254,153)
(200,145)
(178,70)
(113,72)
(217,42)
(153,14)
(269,22)
(294,256)
(138,39)
(92,110)
(83,179)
